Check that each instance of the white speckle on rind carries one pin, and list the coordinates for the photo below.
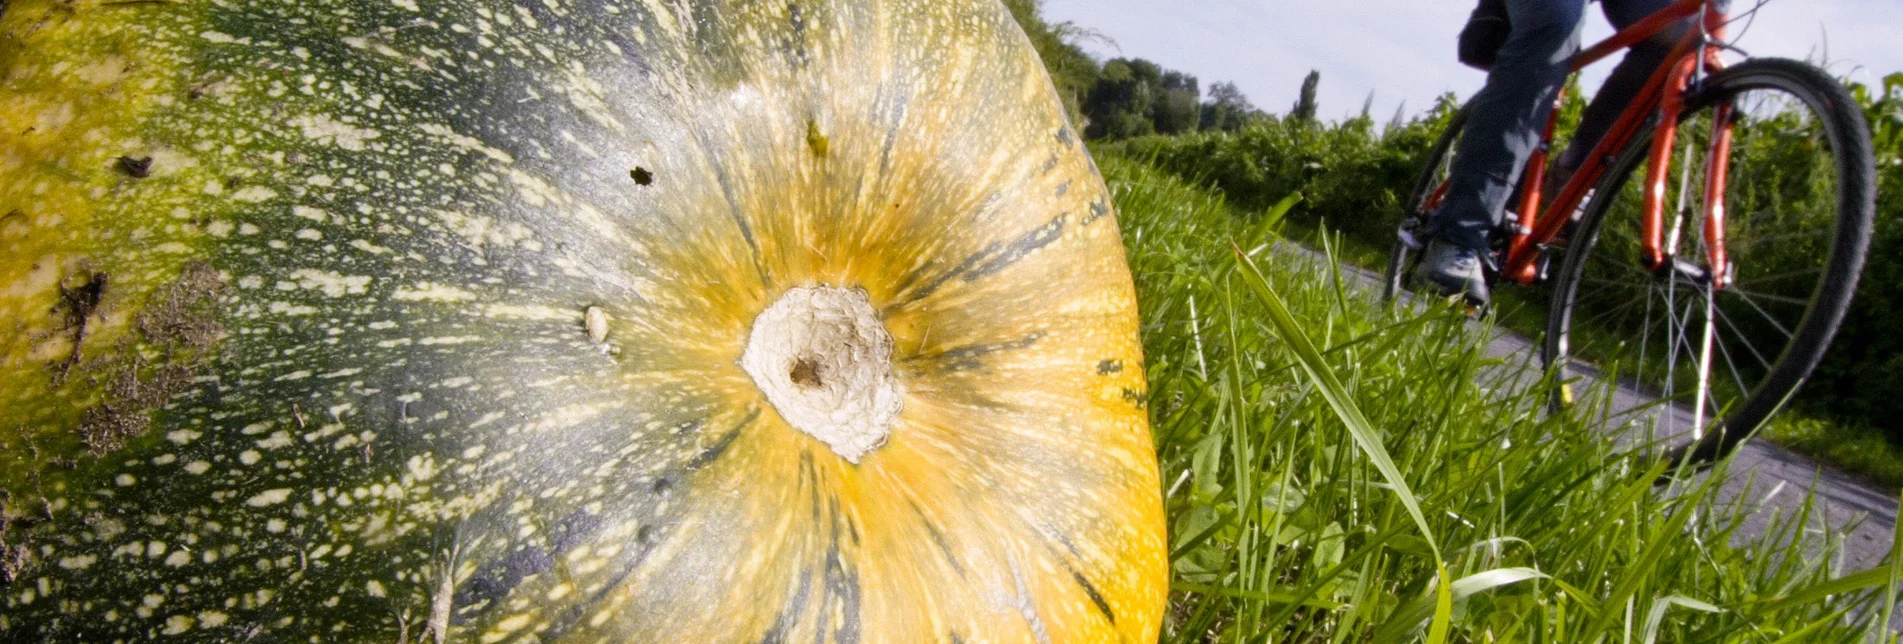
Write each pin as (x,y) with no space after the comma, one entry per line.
(254,194)
(324,129)
(429,292)
(330,283)
(269,498)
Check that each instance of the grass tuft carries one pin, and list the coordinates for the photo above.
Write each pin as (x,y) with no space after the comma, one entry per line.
(1340,471)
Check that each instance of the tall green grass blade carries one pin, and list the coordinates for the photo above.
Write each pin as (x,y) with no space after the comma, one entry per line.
(1410,616)
(1896,575)
(1824,590)
(1272,597)
(1337,396)
(1656,615)
(1443,608)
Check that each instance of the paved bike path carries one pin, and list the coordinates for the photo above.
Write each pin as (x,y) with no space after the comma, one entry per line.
(1775,479)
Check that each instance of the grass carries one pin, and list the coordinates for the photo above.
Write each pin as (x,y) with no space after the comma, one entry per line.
(1338,471)
(1867,453)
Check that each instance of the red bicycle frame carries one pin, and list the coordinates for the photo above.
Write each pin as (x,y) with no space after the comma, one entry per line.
(1665,93)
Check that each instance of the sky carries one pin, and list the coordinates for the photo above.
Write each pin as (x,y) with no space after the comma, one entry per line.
(1403,50)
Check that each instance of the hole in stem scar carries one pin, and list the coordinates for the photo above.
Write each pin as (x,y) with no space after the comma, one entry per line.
(805,372)
(641,176)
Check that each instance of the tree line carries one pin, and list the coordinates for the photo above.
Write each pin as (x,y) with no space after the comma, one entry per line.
(1123,98)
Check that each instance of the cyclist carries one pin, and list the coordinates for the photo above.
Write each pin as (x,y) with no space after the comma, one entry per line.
(1527,47)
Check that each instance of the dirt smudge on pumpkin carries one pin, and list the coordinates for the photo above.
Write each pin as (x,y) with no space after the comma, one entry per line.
(179,322)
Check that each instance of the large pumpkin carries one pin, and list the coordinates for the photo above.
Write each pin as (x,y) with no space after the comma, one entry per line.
(625,320)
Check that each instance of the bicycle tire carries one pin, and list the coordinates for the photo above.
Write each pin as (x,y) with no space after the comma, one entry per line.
(1838,124)
(1401,254)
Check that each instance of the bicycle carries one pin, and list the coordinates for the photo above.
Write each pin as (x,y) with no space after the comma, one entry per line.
(1717,303)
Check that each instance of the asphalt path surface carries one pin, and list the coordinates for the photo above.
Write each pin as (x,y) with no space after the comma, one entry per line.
(1775,480)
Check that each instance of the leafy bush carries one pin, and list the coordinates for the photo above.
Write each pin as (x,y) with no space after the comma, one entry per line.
(1349,176)
(1862,378)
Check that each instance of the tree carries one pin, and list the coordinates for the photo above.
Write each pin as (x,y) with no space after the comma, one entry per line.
(1227,109)
(1123,102)
(1304,109)
(1178,111)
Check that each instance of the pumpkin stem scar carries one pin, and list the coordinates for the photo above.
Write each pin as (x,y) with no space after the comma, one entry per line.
(824,360)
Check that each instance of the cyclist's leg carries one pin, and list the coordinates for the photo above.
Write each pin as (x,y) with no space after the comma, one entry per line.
(1624,83)
(1505,120)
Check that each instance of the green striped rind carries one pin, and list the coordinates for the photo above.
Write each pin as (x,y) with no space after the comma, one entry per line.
(356,275)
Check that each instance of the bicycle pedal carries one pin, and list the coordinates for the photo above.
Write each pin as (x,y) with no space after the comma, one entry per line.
(1408,238)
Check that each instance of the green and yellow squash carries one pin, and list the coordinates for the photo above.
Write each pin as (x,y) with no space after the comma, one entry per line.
(560,320)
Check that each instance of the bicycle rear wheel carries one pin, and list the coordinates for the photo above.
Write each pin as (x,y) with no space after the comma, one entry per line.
(1799,204)
(1405,252)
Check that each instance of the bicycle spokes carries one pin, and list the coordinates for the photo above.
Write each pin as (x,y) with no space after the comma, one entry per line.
(1722,322)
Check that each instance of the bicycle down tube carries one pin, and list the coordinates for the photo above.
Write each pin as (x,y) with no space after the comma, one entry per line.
(1662,94)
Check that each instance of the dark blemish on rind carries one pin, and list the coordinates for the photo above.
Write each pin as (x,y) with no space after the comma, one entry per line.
(179,322)
(661,485)
(1109,366)
(1097,210)
(938,539)
(1064,137)
(80,303)
(711,454)
(641,176)
(1138,398)
(495,581)
(843,585)
(1049,165)
(816,141)
(14,561)
(735,211)
(1031,241)
(106,428)
(183,312)
(1095,597)
(136,167)
(789,614)
(967,357)
(796,18)
(1063,188)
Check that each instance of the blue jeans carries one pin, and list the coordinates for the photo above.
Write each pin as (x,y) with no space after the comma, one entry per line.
(1509,113)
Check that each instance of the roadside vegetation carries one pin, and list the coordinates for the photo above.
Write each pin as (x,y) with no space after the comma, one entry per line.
(1351,177)
(1337,470)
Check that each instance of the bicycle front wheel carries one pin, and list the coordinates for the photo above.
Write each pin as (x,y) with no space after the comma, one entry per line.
(1428,189)
(1798,205)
